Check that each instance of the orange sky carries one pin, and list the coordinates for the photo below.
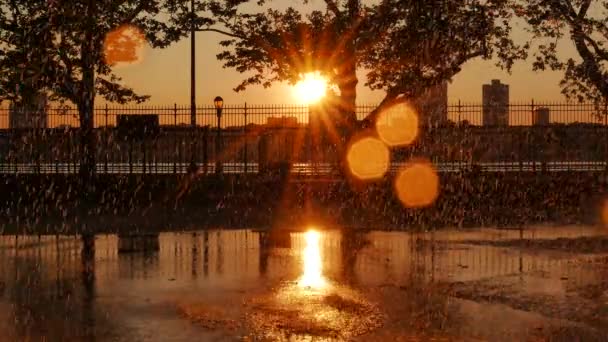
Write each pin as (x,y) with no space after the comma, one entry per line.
(165,75)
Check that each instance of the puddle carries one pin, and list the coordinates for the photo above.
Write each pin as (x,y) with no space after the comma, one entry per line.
(235,285)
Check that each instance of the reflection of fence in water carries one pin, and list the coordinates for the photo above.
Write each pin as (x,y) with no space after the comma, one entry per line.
(380,258)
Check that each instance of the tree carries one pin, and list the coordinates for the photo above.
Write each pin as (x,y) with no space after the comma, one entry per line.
(585,24)
(57,47)
(405,46)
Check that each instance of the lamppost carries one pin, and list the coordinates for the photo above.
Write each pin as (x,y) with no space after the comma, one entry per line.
(218,102)
(193,167)
(192,67)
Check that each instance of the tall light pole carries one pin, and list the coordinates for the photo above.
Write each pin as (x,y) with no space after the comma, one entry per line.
(192,66)
(218,102)
(193,165)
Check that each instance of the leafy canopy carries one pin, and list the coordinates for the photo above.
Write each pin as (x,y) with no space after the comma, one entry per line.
(585,24)
(404,46)
(50,46)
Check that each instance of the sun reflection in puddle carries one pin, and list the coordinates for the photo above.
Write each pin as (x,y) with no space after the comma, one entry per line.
(311,306)
(312,276)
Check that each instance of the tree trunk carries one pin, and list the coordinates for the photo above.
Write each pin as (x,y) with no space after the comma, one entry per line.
(86,105)
(348,95)
(87,144)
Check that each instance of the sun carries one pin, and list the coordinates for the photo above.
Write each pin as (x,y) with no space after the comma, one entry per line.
(311,88)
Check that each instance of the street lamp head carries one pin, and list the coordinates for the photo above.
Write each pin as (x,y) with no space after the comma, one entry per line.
(218,102)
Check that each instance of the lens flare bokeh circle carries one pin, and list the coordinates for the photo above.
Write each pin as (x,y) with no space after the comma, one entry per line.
(368,158)
(417,185)
(398,125)
(604,213)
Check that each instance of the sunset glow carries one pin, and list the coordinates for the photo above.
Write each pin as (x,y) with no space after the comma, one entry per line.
(124,45)
(312,276)
(310,89)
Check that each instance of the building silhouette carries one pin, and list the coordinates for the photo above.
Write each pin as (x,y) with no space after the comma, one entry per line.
(283,121)
(541,116)
(432,105)
(32,113)
(495,104)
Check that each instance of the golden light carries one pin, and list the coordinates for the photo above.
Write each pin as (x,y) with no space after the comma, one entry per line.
(398,125)
(311,88)
(368,158)
(124,45)
(417,185)
(604,213)
(312,276)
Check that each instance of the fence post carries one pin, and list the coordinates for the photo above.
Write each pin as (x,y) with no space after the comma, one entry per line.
(246,138)
(37,137)
(107,140)
(57,153)
(130,156)
(69,150)
(205,148)
(218,146)
(534,134)
(175,137)
(461,152)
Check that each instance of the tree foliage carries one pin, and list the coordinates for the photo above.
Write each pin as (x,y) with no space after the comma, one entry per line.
(56,47)
(585,24)
(404,46)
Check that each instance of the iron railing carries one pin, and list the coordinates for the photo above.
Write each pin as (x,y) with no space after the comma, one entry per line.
(573,136)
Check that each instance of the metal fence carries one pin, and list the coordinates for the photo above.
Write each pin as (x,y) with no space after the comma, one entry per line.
(541,136)
(235,116)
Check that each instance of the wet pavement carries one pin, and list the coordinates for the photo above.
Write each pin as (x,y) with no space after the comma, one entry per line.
(536,284)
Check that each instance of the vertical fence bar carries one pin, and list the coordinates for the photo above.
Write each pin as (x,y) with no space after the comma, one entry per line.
(461,139)
(107,140)
(175,133)
(205,148)
(195,134)
(534,139)
(143,151)
(246,139)
(130,156)
(69,161)
(57,152)
(37,138)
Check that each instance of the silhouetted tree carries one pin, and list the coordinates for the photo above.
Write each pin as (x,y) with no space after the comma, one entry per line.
(404,46)
(56,47)
(585,23)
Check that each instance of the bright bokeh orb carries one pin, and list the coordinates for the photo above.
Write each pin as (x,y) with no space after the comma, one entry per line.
(368,158)
(124,45)
(311,88)
(398,125)
(604,213)
(417,185)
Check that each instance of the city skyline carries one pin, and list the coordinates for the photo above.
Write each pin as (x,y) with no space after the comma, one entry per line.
(148,77)
(158,68)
